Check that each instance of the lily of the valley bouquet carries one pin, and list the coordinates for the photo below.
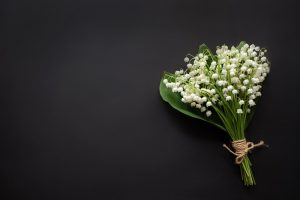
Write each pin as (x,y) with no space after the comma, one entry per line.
(221,89)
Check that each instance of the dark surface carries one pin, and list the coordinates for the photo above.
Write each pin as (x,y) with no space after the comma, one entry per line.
(81,116)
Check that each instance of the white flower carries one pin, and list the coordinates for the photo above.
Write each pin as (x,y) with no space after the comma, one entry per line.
(239,111)
(252,96)
(248,62)
(228,66)
(222,61)
(251,102)
(242,76)
(230,87)
(208,104)
(265,65)
(253,54)
(188,98)
(243,88)
(178,72)
(236,75)
(255,80)
(224,72)
(245,82)
(208,113)
(241,102)
(202,64)
(235,80)
(215,76)
(234,92)
(243,68)
(220,83)
(197,99)
(243,55)
(228,98)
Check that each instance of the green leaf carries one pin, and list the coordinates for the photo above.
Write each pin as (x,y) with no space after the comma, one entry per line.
(206,51)
(174,99)
(242,43)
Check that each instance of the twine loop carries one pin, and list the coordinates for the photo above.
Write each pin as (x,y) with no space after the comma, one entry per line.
(241,148)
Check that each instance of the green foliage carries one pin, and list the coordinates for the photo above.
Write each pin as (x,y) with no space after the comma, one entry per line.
(174,99)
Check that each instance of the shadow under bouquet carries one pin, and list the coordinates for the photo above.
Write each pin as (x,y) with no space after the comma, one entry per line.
(221,89)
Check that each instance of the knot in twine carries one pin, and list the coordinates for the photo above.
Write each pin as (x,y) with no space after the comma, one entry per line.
(241,148)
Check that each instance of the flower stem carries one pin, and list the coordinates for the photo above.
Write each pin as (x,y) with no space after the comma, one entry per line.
(235,126)
(246,172)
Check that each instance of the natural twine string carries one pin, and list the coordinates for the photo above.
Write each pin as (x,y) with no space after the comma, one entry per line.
(241,148)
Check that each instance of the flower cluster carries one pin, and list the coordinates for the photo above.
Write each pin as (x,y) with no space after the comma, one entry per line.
(233,77)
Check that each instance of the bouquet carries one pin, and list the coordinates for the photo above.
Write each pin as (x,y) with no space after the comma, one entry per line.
(221,89)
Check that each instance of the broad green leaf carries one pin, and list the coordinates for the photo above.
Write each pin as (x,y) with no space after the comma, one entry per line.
(174,99)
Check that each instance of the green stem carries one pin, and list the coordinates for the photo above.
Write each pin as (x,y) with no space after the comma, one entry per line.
(246,172)
(235,126)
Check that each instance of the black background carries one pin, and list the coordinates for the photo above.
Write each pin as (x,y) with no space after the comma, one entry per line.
(81,116)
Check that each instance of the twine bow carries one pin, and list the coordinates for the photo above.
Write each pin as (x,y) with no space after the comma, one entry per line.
(241,148)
